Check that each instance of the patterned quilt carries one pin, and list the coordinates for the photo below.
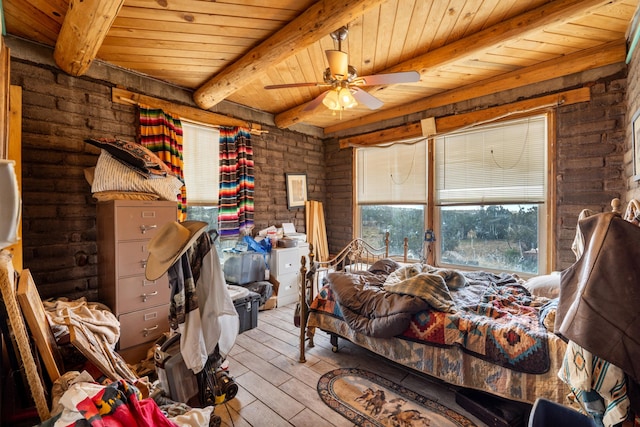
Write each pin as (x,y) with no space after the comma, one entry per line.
(495,319)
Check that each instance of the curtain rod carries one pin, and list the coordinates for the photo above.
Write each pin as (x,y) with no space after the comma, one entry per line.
(252,130)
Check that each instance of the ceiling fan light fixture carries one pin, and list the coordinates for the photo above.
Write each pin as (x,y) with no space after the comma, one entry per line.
(346,99)
(339,99)
(338,63)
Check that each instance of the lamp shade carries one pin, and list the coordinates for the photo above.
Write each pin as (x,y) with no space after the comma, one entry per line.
(331,100)
(338,63)
(9,204)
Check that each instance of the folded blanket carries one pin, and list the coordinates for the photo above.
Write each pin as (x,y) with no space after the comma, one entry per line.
(95,316)
(428,283)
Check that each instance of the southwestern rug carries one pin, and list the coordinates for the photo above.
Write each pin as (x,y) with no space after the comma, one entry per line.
(369,400)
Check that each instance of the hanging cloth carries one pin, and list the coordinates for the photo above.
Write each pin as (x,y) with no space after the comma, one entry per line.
(235,213)
(201,308)
(161,133)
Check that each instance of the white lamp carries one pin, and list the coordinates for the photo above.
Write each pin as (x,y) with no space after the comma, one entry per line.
(9,204)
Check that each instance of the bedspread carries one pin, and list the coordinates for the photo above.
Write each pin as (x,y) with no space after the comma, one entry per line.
(494,318)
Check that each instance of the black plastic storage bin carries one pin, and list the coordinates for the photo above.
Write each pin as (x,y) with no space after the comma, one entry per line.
(247,308)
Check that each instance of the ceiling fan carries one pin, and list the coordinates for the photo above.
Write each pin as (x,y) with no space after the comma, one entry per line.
(345,83)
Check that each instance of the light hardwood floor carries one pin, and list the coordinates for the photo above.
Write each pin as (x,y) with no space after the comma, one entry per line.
(276,390)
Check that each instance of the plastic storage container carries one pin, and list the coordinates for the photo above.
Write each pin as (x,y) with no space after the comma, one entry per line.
(243,267)
(247,308)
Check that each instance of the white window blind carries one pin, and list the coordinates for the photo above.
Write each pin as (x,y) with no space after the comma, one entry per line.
(498,163)
(200,148)
(393,174)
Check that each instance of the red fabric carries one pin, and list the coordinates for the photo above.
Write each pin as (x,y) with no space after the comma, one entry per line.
(118,405)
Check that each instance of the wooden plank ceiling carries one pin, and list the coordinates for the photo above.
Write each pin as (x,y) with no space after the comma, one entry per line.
(231,49)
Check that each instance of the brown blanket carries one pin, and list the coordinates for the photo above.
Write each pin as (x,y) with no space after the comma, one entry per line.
(371,310)
(600,293)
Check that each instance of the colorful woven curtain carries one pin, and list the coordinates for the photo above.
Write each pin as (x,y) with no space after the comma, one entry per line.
(235,210)
(161,133)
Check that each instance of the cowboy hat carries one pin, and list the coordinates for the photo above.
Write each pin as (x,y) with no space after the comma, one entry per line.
(171,241)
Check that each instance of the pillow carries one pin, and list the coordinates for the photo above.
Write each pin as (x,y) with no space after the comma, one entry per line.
(384,266)
(111,175)
(133,154)
(547,285)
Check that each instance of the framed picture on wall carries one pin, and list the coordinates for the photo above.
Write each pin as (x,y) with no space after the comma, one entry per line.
(635,144)
(296,190)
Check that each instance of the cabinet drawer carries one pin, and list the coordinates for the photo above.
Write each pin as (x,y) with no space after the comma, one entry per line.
(143,326)
(288,290)
(288,285)
(138,293)
(132,258)
(288,261)
(142,222)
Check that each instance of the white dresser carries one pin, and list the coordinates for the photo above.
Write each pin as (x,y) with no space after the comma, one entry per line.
(142,306)
(284,266)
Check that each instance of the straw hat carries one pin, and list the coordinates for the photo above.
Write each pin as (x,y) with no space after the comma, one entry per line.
(171,241)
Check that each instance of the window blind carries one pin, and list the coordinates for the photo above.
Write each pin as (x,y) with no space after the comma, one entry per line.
(492,164)
(200,152)
(392,174)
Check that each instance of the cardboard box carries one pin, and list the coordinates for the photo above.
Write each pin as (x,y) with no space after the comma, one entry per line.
(272,302)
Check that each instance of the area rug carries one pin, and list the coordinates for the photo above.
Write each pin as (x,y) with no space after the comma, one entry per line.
(367,399)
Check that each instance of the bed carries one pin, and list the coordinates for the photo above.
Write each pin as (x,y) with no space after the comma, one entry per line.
(490,333)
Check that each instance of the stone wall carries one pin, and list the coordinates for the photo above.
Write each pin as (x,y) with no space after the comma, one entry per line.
(59,212)
(590,151)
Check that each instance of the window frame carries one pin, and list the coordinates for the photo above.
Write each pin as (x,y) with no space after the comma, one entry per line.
(546,212)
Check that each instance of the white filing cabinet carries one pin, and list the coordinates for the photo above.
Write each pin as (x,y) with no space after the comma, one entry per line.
(142,306)
(284,266)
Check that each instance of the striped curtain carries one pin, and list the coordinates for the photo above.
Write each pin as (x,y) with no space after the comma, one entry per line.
(161,133)
(235,214)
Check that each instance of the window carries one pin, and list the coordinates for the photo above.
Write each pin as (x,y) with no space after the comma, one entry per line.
(489,192)
(392,195)
(200,148)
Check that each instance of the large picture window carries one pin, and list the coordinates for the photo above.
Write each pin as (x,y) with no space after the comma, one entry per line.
(489,196)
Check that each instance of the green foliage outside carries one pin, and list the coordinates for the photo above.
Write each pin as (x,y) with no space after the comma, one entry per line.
(494,237)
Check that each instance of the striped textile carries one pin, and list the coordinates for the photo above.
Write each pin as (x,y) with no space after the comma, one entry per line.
(235,207)
(598,385)
(161,133)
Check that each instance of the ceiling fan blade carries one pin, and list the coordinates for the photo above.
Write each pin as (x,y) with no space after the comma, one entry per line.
(315,102)
(391,78)
(365,98)
(290,85)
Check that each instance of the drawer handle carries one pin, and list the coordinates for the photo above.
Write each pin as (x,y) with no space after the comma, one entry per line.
(143,262)
(146,331)
(145,228)
(146,296)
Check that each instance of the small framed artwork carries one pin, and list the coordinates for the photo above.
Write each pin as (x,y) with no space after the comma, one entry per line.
(296,190)
(635,144)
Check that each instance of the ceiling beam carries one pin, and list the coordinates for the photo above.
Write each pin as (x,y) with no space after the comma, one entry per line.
(84,28)
(313,24)
(517,27)
(610,53)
